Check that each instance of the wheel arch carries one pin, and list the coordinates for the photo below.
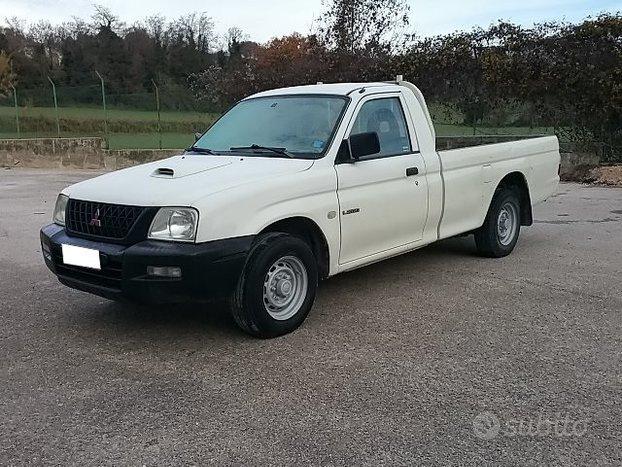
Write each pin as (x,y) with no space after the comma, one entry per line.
(518,181)
(310,232)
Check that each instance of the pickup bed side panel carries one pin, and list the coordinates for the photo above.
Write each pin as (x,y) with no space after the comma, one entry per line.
(472,175)
(544,163)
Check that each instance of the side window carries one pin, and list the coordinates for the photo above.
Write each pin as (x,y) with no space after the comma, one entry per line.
(386,117)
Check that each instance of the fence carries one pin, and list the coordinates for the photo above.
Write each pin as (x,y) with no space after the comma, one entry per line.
(161,116)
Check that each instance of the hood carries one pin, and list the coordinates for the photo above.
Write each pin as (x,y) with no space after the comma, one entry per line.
(181,180)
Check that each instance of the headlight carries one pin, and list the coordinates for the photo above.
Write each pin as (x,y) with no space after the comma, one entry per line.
(175,224)
(59,209)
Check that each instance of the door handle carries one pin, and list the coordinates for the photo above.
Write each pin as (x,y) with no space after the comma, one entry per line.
(410,171)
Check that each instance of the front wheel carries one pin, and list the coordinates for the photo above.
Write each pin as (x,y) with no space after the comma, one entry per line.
(499,234)
(277,287)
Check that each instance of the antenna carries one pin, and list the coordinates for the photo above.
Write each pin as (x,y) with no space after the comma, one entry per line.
(399,79)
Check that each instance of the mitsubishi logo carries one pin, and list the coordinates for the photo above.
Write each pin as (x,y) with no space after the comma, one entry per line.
(95,220)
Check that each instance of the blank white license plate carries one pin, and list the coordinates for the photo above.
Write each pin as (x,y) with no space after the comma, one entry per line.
(78,256)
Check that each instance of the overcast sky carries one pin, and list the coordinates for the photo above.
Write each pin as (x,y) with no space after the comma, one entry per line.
(265,19)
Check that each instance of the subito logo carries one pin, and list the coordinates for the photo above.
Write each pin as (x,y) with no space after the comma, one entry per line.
(486,425)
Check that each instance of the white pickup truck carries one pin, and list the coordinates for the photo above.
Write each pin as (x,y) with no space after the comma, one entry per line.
(289,187)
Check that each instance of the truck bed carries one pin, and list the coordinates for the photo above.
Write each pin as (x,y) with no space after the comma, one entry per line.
(471,175)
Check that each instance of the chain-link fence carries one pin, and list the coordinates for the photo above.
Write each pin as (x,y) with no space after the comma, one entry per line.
(162,117)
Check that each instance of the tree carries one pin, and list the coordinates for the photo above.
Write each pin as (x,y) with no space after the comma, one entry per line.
(352,26)
(104,18)
(291,60)
(6,74)
(190,41)
(233,40)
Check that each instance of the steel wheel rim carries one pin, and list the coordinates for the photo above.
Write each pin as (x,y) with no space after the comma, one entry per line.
(507,223)
(285,288)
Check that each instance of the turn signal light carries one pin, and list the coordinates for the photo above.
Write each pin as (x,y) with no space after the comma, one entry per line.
(171,272)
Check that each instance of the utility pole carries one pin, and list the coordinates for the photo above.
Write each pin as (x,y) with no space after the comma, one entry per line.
(104,105)
(55,106)
(157,96)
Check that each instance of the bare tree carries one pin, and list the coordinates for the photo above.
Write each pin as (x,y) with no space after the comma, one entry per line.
(233,40)
(104,18)
(47,39)
(156,27)
(354,25)
(195,30)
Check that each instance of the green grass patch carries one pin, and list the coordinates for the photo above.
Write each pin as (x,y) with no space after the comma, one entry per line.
(90,122)
(75,113)
(150,141)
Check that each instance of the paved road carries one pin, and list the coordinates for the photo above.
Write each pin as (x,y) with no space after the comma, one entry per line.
(435,356)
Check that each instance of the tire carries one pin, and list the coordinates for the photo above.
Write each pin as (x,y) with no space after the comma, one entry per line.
(277,287)
(499,234)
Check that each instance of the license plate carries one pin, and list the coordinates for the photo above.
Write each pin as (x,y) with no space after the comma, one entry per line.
(83,257)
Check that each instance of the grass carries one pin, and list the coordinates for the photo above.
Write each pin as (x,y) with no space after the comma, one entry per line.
(75,113)
(128,129)
(145,141)
(136,129)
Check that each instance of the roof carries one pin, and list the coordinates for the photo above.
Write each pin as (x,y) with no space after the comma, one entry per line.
(342,89)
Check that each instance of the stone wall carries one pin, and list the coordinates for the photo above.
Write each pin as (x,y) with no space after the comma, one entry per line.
(121,158)
(82,153)
(52,152)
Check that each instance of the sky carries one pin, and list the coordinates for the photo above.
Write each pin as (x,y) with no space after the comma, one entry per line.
(263,20)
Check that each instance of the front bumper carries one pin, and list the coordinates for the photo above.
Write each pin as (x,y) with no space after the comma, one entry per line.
(208,270)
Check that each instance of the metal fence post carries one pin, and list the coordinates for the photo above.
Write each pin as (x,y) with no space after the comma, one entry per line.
(16,110)
(55,106)
(104,105)
(157,96)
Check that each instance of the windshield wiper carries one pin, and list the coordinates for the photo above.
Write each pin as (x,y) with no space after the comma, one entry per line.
(281,151)
(200,150)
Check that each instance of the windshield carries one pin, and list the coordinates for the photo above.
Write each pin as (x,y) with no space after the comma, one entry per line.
(300,125)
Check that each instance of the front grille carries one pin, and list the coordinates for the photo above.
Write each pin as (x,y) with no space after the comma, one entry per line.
(100,219)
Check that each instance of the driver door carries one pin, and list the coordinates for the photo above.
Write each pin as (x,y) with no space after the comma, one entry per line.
(382,197)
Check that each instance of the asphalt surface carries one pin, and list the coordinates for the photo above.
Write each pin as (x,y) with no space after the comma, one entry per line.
(437,356)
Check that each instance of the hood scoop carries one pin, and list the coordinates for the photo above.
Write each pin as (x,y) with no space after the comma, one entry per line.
(182,166)
(163,172)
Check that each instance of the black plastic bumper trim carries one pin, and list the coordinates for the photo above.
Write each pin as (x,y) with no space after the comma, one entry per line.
(209,270)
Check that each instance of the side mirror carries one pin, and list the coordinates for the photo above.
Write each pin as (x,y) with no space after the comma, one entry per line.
(197,136)
(364,144)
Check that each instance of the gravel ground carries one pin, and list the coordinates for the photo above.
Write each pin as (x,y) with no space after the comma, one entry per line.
(437,356)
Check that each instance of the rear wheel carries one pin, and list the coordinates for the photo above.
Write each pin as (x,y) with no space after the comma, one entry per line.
(499,234)
(277,287)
